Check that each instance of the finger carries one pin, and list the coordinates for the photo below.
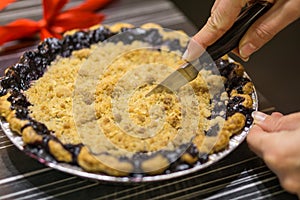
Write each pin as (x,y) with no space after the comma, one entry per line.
(216,4)
(255,140)
(264,120)
(276,122)
(221,19)
(278,17)
(236,52)
(277,115)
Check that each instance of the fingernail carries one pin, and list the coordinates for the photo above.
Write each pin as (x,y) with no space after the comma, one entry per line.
(247,49)
(193,51)
(186,54)
(258,116)
(245,59)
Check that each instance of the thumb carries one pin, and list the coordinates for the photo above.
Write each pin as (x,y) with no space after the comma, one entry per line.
(276,121)
(218,23)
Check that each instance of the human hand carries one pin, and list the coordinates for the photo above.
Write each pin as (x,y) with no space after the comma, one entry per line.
(276,139)
(225,12)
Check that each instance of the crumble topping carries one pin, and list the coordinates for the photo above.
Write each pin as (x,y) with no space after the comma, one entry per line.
(107,105)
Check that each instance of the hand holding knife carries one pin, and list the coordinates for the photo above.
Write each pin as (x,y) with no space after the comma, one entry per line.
(230,40)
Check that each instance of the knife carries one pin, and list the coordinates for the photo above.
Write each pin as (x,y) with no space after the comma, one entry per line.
(230,40)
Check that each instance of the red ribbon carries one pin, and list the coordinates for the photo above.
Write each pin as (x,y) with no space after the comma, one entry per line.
(55,21)
(4,3)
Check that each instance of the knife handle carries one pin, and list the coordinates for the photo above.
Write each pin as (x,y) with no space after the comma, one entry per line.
(232,37)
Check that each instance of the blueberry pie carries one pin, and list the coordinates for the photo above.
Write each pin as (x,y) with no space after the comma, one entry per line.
(82,100)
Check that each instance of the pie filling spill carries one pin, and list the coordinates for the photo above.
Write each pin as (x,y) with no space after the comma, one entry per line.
(83,101)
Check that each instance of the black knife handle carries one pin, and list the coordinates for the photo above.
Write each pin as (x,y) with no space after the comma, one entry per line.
(232,37)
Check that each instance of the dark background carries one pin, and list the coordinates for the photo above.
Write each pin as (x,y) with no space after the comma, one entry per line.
(274,69)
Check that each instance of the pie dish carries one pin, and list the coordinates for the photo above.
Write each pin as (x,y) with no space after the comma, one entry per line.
(45,99)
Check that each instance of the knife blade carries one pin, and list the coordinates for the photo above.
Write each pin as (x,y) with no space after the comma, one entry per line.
(230,40)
